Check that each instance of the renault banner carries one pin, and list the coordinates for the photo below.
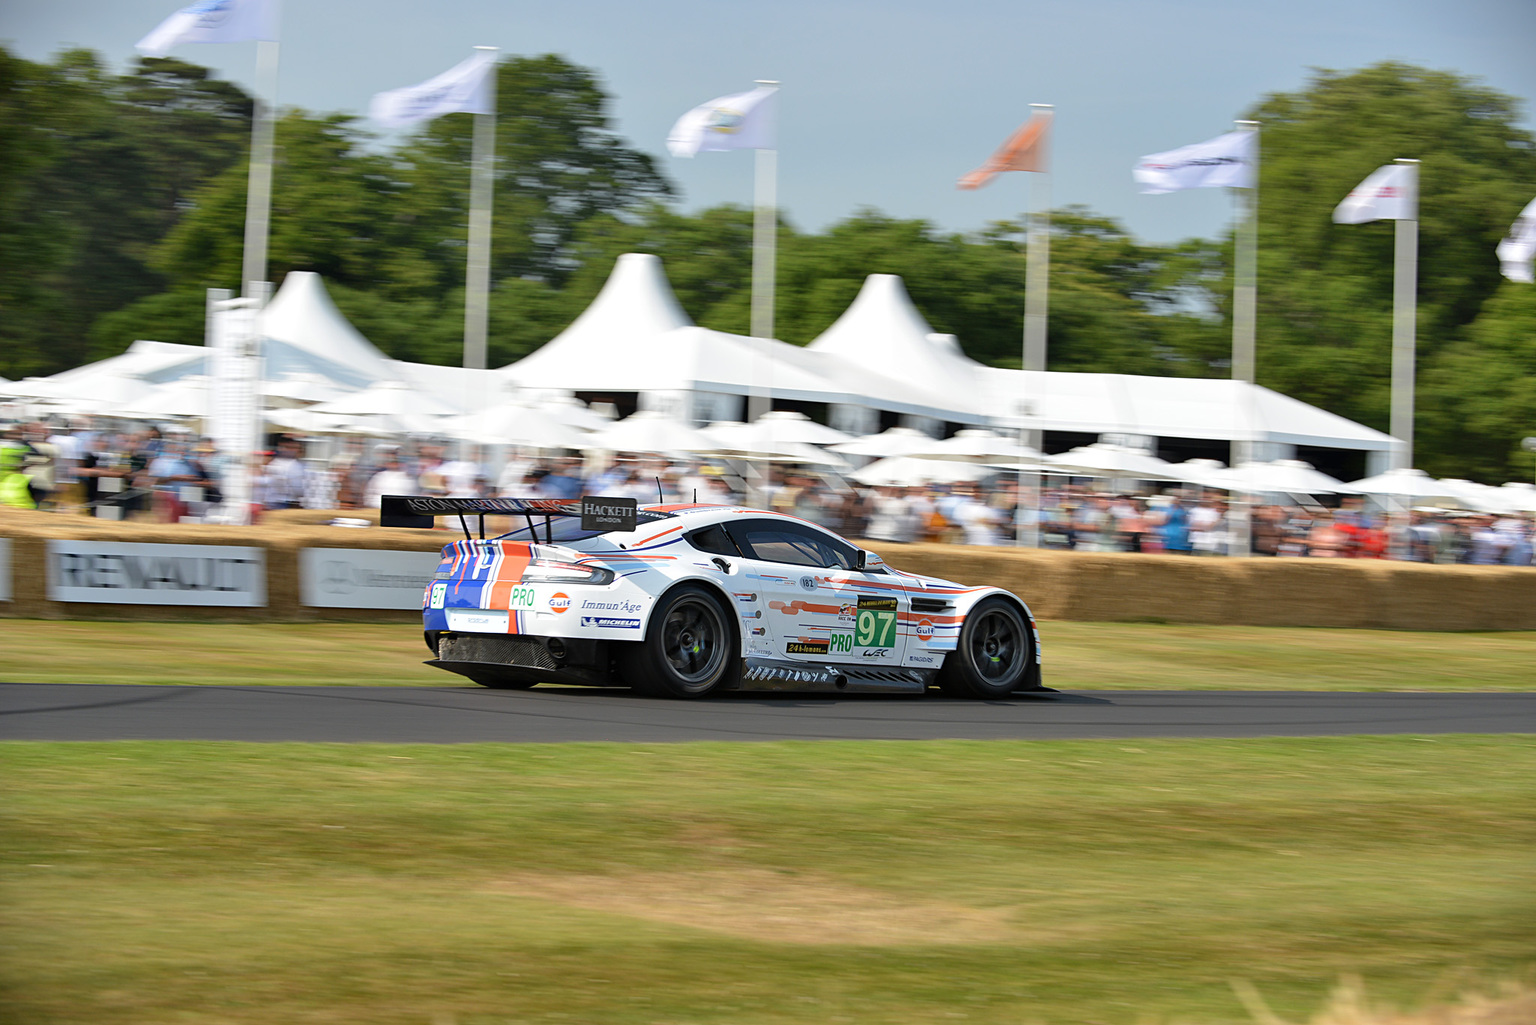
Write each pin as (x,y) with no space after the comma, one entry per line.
(124,573)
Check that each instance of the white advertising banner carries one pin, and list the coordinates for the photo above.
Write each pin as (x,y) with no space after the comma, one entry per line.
(5,569)
(362,578)
(125,573)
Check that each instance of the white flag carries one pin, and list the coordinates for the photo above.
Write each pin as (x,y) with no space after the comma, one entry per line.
(213,21)
(466,87)
(738,121)
(1517,252)
(1389,193)
(1225,161)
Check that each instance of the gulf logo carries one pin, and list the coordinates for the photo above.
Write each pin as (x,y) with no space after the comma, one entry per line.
(559,602)
(925,629)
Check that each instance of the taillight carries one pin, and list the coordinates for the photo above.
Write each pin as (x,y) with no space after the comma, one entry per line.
(552,571)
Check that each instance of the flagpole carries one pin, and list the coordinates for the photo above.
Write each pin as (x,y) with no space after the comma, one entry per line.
(258,192)
(477,271)
(1244,349)
(765,229)
(1037,277)
(1405,275)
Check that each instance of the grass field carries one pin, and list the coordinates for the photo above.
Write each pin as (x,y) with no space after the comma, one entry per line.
(997,882)
(1117,656)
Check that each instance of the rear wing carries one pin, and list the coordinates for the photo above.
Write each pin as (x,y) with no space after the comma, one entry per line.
(596,512)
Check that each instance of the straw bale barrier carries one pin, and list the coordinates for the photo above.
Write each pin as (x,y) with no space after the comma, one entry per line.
(1057,585)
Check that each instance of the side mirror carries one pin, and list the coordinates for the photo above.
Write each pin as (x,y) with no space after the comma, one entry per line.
(869,560)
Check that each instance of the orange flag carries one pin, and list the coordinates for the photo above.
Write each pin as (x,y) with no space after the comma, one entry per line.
(1025,150)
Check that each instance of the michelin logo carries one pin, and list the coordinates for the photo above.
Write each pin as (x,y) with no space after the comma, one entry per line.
(609,623)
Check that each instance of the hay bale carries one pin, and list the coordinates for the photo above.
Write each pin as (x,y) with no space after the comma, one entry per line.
(1111,587)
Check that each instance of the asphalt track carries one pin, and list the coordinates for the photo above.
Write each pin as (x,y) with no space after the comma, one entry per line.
(471,714)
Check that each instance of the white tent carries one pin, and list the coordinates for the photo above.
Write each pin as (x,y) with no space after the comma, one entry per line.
(635,305)
(1165,407)
(882,331)
(304,332)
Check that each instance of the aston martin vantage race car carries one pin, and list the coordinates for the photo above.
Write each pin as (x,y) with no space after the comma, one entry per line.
(687,600)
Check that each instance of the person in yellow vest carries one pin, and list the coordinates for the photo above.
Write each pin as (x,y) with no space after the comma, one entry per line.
(13,483)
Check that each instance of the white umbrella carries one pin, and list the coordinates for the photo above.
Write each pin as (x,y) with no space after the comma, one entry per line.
(299,389)
(103,393)
(1204,472)
(184,397)
(788,425)
(1105,460)
(1472,495)
(1283,476)
(906,471)
(386,398)
(376,425)
(649,431)
(736,440)
(530,427)
(898,441)
(1403,482)
(978,446)
(573,412)
(1518,496)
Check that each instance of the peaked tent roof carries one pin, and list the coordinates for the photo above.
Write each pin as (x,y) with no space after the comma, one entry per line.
(636,304)
(882,330)
(306,333)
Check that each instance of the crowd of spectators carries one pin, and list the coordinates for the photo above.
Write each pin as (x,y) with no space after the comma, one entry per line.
(147,474)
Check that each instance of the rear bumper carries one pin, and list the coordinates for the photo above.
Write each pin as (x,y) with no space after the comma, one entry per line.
(494,658)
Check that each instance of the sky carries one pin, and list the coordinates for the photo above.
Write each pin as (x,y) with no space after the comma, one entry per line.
(883,104)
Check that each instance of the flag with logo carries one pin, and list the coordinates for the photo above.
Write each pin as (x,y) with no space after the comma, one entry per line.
(1024,150)
(1387,194)
(213,21)
(467,87)
(738,121)
(1518,251)
(1226,161)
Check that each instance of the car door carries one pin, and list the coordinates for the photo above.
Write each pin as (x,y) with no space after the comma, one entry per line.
(818,605)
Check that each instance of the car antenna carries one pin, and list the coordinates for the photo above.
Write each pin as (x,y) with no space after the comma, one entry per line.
(659,498)
(695,496)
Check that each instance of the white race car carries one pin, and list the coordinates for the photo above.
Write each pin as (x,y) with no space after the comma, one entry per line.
(686,600)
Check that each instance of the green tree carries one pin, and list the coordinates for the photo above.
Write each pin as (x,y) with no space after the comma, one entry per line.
(558,163)
(1477,399)
(1325,290)
(97,168)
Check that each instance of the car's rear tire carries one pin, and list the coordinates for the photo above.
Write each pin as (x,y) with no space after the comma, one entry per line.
(689,648)
(994,655)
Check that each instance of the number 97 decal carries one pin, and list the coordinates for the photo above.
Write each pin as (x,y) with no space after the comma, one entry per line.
(876,629)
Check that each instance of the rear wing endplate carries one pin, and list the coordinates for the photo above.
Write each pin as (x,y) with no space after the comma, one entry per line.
(595,511)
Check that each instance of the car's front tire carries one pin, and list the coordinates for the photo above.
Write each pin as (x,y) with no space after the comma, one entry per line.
(994,655)
(689,648)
